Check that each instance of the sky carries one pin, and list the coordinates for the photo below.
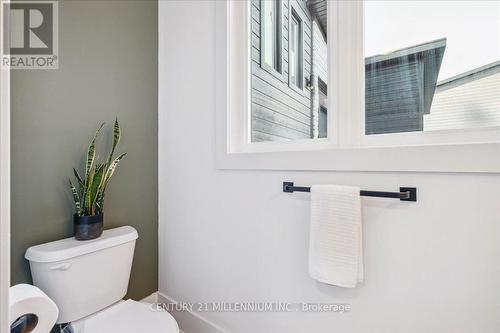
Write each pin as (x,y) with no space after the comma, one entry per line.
(472,29)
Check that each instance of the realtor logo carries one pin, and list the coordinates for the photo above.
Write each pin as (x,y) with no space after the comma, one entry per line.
(30,35)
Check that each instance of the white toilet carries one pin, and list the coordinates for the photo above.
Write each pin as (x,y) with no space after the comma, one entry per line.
(88,279)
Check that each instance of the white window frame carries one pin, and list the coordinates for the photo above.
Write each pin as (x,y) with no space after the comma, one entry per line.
(346,148)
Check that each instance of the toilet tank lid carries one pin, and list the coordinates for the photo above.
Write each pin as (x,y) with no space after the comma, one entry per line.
(70,247)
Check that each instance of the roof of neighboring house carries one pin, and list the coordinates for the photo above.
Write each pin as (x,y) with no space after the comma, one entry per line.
(469,76)
(318,10)
(432,46)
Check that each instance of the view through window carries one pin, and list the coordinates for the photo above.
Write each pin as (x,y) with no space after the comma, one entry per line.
(289,69)
(431,65)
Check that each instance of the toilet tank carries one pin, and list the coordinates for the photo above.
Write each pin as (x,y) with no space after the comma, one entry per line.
(83,277)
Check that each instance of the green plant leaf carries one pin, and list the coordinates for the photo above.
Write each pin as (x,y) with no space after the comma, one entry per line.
(89,199)
(78,177)
(112,168)
(95,187)
(87,202)
(116,140)
(99,202)
(110,171)
(76,198)
(91,152)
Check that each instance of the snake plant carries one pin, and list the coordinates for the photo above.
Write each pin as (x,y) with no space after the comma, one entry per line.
(88,194)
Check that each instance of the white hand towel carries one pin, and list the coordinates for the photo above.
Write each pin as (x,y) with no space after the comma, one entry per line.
(335,243)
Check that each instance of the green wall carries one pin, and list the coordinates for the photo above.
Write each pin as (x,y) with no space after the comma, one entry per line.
(108,53)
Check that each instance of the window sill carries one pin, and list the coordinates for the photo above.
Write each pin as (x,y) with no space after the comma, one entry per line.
(479,158)
(298,90)
(272,71)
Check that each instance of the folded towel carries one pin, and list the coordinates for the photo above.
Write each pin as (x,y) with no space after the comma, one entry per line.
(335,243)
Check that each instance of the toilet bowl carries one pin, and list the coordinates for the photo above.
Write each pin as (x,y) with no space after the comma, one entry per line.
(88,280)
(127,317)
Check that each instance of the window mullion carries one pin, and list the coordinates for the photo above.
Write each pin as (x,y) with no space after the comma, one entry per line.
(348,72)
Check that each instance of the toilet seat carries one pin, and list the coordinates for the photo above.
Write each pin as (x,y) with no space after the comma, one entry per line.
(128,317)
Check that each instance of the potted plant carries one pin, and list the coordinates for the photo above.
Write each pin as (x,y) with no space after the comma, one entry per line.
(88,194)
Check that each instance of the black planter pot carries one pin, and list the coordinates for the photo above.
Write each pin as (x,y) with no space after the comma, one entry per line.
(88,227)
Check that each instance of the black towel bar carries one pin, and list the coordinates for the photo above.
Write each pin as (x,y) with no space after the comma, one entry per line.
(404,194)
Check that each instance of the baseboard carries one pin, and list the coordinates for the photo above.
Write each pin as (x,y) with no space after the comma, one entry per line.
(153,298)
(190,322)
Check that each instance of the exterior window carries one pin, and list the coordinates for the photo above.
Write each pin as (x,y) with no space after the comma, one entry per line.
(382,81)
(288,62)
(323,118)
(295,51)
(271,34)
(323,109)
(431,66)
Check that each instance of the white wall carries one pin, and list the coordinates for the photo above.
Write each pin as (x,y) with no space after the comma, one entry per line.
(233,236)
(4,196)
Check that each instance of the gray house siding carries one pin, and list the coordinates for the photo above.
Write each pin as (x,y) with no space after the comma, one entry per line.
(319,72)
(400,86)
(320,54)
(469,100)
(393,98)
(280,112)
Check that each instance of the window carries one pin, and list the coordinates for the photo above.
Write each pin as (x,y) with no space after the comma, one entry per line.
(323,109)
(323,118)
(271,34)
(415,84)
(431,66)
(283,106)
(295,62)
